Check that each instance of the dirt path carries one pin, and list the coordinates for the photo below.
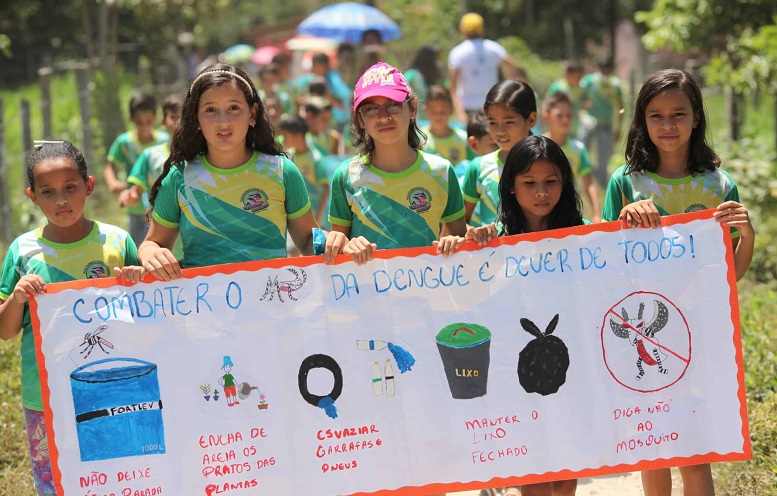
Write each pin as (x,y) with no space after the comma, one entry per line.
(611,485)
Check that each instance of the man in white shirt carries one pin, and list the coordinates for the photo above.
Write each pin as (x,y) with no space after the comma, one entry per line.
(473,67)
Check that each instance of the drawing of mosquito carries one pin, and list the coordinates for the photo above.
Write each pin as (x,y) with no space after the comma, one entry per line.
(274,286)
(92,339)
(636,329)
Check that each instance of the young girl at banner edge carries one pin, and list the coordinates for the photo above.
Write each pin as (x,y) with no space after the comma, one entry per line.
(67,248)
(670,169)
(227,187)
(391,194)
(537,193)
(511,109)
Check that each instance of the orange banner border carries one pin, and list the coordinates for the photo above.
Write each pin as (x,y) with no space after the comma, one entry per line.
(746,453)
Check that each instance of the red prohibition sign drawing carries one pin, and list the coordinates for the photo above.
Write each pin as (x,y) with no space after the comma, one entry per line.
(646,342)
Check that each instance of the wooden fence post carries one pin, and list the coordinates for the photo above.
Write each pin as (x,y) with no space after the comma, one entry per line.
(735,107)
(44,74)
(6,214)
(82,81)
(26,131)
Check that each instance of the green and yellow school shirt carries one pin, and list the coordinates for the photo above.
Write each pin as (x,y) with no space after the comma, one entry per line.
(232,215)
(453,147)
(395,210)
(481,187)
(145,172)
(313,169)
(576,95)
(323,142)
(148,167)
(670,196)
(604,94)
(125,151)
(577,154)
(93,257)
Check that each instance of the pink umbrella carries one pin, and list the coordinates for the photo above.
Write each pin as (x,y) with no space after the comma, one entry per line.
(263,55)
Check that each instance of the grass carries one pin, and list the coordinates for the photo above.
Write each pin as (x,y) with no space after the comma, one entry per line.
(752,165)
(758,476)
(14,455)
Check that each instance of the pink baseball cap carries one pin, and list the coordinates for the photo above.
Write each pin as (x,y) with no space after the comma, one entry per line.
(381,80)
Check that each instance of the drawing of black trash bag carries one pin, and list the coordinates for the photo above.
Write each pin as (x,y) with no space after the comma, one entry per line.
(543,363)
(465,353)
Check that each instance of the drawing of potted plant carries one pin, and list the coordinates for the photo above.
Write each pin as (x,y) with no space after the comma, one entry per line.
(205,388)
(262,401)
(215,395)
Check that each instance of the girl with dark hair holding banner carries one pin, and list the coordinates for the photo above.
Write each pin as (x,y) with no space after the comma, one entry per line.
(227,186)
(670,169)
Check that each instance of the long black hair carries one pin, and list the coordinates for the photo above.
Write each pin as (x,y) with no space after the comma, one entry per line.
(568,210)
(516,95)
(641,152)
(425,62)
(187,142)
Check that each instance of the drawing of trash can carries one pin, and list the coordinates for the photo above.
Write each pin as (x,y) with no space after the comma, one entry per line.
(118,409)
(465,353)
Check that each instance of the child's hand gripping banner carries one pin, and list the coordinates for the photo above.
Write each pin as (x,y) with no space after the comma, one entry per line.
(562,354)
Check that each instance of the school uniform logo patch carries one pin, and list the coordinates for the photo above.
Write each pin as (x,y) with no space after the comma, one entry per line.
(696,207)
(96,269)
(419,200)
(255,200)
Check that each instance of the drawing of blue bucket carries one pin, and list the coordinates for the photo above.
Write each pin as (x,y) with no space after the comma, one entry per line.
(118,409)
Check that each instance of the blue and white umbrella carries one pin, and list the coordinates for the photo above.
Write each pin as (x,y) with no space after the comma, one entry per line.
(347,21)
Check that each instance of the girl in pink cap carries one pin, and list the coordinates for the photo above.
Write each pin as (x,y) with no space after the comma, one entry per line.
(391,194)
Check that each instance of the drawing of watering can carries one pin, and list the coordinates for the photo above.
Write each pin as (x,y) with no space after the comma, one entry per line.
(244,391)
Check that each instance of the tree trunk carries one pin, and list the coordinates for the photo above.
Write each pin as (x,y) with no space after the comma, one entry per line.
(86,18)
(6,232)
(530,24)
(613,27)
(102,32)
(26,130)
(82,82)
(733,101)
(44,76)
(109,109)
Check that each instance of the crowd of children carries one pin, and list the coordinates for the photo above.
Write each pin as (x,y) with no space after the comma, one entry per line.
(240,174)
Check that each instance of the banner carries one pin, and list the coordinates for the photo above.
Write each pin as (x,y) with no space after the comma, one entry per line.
(568,353)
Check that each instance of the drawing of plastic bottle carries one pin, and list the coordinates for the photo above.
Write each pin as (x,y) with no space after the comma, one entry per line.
(389,378)
(369,344)
(377,380)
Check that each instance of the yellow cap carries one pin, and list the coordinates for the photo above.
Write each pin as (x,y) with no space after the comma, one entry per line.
(471,24)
